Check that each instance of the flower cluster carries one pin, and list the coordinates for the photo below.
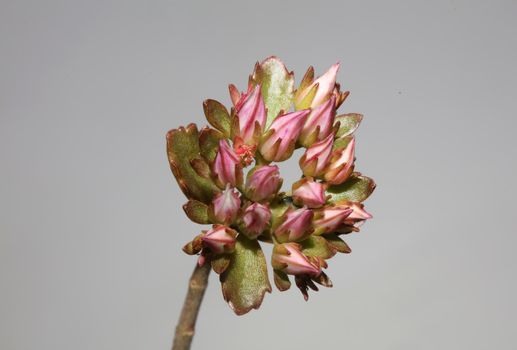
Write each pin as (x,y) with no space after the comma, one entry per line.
(228,173)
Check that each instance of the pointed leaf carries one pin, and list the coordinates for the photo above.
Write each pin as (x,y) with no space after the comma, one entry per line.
(217,115)
(277,86)
(341,142)
(197,211)
(317,246)
(307,79)
(201,167)
(282,281)
(182,147)
(194,247)
(307,100)
(245,281)
(337,243)
(209,142)
(348,123)
(356,189)
(220,264)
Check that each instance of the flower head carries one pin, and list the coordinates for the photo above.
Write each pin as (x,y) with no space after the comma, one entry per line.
(225,206)
(342,164)
(255,219)
(296,225)
(304,223)
(220,239)
(263,183)
(282,136)
(227,166)
(289,258)
(319,123)
(316,157)
(330,218)
(358,214)
(309,193)
(324,86)
(251,116)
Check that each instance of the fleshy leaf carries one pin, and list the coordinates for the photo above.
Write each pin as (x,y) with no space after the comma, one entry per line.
(307,100)
(337,243)
(201,167)
(209,142)
(217,115)
(193,247)
(317,246)
(245,281)
(197,211)
(281,280)
(342,142)
(348,123)
(182,147)
(277,211)
(277,86)
(220,264)
(356,189)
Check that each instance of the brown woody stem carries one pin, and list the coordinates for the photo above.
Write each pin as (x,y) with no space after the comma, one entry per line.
(187,321)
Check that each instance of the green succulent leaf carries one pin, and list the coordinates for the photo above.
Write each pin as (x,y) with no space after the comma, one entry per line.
(277,86)
(197,211)
(342,142)
(209,142)
(337,243)
(348,123)
(282,281)
(317,246)
(307,100)
(220,263)
(245,280)
(278,209)
(356,189)
(182,148)
(217,115)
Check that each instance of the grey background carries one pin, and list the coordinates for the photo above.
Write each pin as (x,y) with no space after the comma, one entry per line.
(90,220)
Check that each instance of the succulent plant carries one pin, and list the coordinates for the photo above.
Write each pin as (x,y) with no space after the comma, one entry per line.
(228,174)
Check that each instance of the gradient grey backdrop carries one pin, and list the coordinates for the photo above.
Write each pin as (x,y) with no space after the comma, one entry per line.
(90,219)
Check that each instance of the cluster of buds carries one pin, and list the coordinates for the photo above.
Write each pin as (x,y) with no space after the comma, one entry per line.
(228,173)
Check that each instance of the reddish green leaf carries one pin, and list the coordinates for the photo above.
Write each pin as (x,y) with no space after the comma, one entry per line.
(337,243)
(348,123)
(245,281)
(217,115)
(182,148)
(356,189)
(197,211)
(209,142)
(277,86)
(317,246)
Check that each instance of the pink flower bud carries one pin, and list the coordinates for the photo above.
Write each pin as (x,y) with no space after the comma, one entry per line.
(282,135)
(255,220)
(225,206)
(251,115)
(316,158)
(263,182)
(227,166)
(358,215)
(331,218)
(288,258)
(296,225)
(326,84)
(220,239)
(309,192)
(319,123)
(341,164)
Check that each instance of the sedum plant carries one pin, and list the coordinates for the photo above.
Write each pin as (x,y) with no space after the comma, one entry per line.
(227,171)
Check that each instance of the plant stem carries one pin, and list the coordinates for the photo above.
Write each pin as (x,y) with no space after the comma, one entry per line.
(187,321)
